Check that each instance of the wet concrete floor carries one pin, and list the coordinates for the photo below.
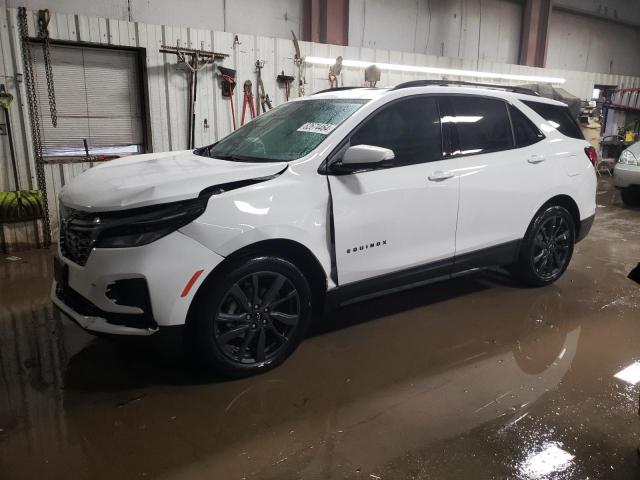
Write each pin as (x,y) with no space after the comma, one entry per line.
(472,378)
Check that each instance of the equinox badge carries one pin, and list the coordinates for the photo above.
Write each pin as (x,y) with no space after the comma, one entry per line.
(367,246)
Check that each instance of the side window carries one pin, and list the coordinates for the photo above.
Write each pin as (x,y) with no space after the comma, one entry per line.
(482,124)
(559,116)
(410,127)
(525,132)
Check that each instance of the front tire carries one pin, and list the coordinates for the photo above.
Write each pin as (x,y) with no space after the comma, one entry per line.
(251,316)
(630,197)
(547,248)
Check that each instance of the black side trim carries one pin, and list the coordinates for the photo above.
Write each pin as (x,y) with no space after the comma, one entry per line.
(496,256)
(389,283)
(585,227)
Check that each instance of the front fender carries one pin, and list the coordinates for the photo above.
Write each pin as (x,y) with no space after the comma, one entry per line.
(291,207)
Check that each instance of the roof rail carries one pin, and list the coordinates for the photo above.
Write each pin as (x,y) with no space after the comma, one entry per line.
(444,83)
(336,89)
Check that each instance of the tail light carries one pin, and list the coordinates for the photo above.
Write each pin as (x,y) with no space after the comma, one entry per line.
(592,154)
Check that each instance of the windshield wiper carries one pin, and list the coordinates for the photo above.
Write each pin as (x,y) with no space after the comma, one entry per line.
(238,158)
(233,158)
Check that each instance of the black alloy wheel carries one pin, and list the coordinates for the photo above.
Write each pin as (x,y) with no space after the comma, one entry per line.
(546,250)
(257,317)
(551,247)
(250,315)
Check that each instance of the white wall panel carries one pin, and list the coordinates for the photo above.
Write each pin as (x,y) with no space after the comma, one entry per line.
(257,17)
(469,29)
(613,10)
(578,42)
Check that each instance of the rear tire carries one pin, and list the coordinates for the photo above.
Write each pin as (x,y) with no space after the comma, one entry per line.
(251,316)
(547,247)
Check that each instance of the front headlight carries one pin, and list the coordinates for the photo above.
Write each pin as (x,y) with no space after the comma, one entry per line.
(628,158)
(145,225)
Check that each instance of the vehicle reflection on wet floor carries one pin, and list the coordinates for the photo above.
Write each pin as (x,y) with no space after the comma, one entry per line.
(471,378)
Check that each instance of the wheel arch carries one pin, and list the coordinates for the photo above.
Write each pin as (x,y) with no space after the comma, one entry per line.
(291,250)
(567,202)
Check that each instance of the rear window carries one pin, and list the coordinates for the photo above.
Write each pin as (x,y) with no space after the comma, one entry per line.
(558,116)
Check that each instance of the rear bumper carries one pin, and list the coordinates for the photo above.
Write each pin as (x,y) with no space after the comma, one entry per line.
(585,227)
(625,176)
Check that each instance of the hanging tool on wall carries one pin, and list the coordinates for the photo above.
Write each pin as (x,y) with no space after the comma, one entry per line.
(194,60)
(34,116)
(17,205)
(228,77)
(265,101)
(298,60)
(248,101)
(371,75)
(334,73)
(285,82)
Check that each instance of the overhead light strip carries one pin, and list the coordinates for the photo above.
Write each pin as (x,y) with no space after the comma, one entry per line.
(436,70)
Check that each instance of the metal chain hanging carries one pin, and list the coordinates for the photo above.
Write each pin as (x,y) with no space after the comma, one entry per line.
(32,101)
(44,17)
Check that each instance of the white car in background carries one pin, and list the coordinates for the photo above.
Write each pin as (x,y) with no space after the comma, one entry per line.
(626,175)
(325,200)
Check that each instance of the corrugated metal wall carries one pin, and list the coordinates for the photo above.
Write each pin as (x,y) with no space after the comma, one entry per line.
(468,29)
(591,44)
(167,86)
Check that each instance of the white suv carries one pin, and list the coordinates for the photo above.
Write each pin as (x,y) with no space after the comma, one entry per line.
(325,200)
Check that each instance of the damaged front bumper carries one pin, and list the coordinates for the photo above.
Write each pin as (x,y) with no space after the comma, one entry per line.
(96,324)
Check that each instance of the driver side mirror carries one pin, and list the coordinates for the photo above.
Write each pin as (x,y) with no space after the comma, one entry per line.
(360,157)
(366,155)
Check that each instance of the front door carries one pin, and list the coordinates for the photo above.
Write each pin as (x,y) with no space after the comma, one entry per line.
(402,214)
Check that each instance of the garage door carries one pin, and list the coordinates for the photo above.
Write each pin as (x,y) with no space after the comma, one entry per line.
(98,98)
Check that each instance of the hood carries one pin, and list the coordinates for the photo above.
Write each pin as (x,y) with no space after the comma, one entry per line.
(153,178)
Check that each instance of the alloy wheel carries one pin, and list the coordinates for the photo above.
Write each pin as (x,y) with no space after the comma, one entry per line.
(551,247)
(257,317)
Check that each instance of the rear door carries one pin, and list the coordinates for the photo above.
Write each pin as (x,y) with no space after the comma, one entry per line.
(402,214)
(502,178)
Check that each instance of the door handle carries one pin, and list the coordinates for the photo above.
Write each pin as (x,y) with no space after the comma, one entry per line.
(440,176)
(535,159)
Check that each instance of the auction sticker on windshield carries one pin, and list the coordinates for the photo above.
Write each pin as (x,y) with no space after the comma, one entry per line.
(311,127)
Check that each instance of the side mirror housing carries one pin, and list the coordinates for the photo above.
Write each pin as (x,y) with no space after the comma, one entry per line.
(365,156)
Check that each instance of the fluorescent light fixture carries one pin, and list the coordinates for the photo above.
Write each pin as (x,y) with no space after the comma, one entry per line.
(436,70)
(630,374)
(550,459)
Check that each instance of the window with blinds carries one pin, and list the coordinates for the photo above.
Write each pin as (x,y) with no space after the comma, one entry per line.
(97,98)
